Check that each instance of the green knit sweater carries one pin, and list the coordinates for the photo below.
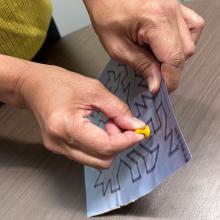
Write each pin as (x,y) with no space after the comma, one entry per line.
(23,26)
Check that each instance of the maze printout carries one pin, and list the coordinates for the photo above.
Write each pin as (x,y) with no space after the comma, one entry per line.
(138,170)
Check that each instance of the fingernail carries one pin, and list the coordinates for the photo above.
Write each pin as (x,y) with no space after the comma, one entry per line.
(140,137)
(137,123)
(154,79)
(151,84)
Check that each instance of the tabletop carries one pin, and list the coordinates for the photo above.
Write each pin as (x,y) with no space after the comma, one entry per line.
(35,184)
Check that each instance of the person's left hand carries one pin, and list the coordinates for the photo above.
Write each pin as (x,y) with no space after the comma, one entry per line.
(61,101)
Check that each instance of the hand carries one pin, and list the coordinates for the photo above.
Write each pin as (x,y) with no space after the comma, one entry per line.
(170,29)
(62,100)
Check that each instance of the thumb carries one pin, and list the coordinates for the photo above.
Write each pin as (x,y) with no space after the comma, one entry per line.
(116,110)
(140,59)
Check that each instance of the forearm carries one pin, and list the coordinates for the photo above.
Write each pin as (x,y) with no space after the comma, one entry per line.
(12,71)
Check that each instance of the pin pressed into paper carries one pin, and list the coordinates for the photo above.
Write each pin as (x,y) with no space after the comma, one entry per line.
(145,131)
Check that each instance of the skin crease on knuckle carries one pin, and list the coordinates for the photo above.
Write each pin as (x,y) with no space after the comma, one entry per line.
(106,150)
(143,67)
(149,23)
(175,58)
(99,147)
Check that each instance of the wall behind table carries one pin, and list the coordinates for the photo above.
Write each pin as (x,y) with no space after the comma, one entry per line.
(70,15)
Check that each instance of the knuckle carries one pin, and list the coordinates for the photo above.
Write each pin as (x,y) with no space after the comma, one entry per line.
(48,146)
(96,89)
(51,147)
(172,86)
(176,58)
(113,52)
(53,128)
(116,51)
(143,67)
(97,84)
(54,124)
(107,150)
(122,107)
(104,164)
(200,23)
(190,50)
(117,104)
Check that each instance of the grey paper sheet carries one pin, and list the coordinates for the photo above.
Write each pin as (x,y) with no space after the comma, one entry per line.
(140,169)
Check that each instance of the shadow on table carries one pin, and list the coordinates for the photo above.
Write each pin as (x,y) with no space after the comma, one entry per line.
(65,177)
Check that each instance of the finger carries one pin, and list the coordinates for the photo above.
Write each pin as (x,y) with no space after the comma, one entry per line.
(116,110)
(86,159)
(166,44)
(186,37)
(55,149)
(71,150)
(111,128)
(139,59)
(194,21)
(96,141)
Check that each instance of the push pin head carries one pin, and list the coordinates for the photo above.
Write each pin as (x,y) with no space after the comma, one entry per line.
(145,131)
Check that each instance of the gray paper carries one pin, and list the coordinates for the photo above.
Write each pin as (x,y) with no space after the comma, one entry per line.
(140,169)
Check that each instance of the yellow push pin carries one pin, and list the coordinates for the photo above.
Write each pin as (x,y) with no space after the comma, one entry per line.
(145,131)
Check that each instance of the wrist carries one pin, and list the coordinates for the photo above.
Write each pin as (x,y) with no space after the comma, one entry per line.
(35,87)
(12,71)
(30,84)
(22,88)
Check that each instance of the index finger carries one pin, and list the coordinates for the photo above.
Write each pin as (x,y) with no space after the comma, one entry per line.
(96,141)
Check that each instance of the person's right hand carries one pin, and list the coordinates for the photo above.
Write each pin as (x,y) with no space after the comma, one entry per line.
(61,102)
(168,28)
